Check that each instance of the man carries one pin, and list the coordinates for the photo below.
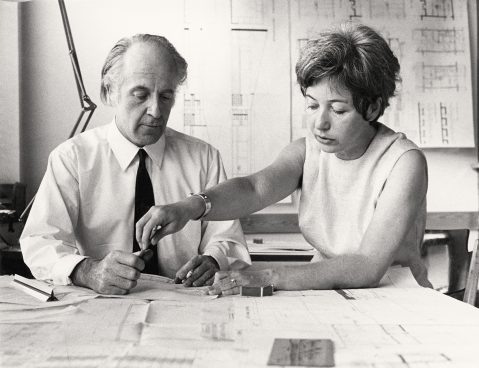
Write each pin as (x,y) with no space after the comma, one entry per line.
(99,183)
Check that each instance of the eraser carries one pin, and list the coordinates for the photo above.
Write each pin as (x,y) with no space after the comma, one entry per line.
(256,290)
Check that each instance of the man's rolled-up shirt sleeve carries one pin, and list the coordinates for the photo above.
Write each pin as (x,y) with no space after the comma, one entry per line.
(223,240)
(48,239)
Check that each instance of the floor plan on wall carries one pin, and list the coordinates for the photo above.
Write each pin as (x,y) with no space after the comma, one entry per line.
(431,40)
(241,94)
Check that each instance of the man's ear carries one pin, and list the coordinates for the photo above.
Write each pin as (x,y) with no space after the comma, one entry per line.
(111,95)
(374,109)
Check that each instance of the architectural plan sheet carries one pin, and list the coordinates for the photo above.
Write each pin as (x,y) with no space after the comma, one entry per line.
(404,327)
(431,40)
(241,94)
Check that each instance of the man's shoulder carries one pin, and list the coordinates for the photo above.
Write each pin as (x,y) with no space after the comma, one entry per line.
(185,141)
(87,142)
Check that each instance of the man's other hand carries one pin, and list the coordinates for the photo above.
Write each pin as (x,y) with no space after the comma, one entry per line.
(117,273)
(198,271)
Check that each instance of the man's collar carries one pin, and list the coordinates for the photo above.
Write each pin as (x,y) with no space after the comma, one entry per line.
(156,151)
(125,151)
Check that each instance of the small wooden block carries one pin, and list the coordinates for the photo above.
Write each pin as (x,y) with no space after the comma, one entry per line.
(256,290)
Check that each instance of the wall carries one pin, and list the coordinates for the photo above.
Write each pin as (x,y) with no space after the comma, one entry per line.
(47,118)
(9,94)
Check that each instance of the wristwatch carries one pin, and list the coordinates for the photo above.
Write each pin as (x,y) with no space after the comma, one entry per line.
(207,201)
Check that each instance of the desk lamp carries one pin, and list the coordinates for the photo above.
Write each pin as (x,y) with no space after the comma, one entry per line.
(87,104)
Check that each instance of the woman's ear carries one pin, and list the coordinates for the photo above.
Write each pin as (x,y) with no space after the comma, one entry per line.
(374,109)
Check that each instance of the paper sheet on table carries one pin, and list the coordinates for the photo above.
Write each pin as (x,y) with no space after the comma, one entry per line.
(399,277)
(13,298)
(46,338)
(152,287)
(51,349)
(377,326)
(196,323)
(149,287)
(34,315)
(114,320)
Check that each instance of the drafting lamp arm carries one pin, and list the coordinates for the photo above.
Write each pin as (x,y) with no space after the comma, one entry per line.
(86,103)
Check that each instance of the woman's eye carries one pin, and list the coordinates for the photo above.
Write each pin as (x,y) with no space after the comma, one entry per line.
(338,109)
(311,107)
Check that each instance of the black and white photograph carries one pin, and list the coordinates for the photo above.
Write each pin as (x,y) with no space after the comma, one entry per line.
(239,183)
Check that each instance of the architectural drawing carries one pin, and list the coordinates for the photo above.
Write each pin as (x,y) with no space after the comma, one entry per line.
(242,96)
(440,9)
(431,40)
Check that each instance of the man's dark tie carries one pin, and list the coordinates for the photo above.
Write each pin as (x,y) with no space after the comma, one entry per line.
(144,199)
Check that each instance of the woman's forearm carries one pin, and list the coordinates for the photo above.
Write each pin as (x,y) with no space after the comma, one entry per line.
(342,272)
(235,198)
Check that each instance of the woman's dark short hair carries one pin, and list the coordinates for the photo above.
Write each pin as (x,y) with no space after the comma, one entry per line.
(357,58)
(111,71)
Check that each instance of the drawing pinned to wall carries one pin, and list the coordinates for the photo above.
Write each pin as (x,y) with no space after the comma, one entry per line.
(238,72)
(440,77)
(357,10)
(439,9)
(194,121)
(247,12)
(316,8)
(241,94)
(439,40)
(443,113)
(387,9)
(431,40)
(202,13)
(247,48)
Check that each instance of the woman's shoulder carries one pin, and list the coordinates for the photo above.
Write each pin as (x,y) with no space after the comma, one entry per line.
(403,159)
(290,158)
(395,139)
(394,158)
(296,150)
(298,144)
(393,145)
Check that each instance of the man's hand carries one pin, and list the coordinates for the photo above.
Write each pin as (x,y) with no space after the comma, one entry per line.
(198,271)
(117,273)
(229,282)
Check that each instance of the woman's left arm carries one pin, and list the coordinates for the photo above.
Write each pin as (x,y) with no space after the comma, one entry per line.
(396,212)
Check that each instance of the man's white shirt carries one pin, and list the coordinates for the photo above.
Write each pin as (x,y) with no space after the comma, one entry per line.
(85,203)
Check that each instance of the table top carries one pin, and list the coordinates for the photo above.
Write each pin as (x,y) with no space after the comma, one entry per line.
(385,326)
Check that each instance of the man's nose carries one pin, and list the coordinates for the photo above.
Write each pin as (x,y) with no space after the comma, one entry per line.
(154,107)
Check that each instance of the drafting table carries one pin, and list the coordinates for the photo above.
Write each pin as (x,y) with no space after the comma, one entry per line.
(386,326)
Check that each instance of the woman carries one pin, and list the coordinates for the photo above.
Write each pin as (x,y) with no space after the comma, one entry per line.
(363,186)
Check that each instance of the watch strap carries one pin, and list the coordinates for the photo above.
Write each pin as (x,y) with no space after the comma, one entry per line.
(207,202)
